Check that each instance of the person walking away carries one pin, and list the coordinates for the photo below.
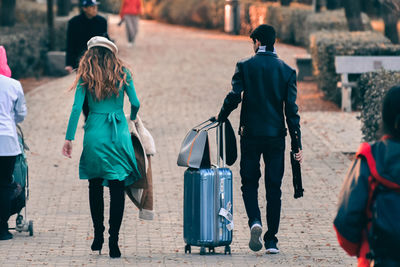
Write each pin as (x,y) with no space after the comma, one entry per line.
(376,167)
(269,93)
(108,158)
(79,31)
(130,12)
(12,111)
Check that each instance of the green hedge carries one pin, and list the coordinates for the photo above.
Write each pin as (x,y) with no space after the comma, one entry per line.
(295,24)
(26,49)
(327,20)
(201,13)
(324,46)
(288,21)
(373,87)
(32,13)
(110,6)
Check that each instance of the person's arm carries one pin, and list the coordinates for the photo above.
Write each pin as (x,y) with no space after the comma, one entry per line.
(76,111)
(69,58)
(20,109)
(121,14)
(351,219)
(130,91)
(291,113)
(234,97)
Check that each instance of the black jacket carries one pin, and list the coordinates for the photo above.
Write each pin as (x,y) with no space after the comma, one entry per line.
(269,96)
(80,30)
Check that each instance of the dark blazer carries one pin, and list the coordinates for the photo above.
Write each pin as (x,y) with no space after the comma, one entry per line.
(269,97)
(80,30)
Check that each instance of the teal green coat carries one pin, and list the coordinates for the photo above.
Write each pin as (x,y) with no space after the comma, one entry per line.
(107,147)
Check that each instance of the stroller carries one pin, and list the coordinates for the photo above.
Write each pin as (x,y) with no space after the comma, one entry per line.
(20,187)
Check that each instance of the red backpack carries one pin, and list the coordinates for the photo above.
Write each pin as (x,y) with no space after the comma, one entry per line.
(383,213)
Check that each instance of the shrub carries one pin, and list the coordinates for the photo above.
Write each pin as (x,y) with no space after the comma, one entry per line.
(201,13)
(110,6)
(26,49)
(32,13)
(324,46)
(373,86)
(286,20)
(328,20)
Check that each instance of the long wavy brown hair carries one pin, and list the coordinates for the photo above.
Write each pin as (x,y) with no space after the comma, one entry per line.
(101,72)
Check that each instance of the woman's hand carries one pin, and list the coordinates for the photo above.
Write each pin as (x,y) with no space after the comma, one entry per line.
(67,148)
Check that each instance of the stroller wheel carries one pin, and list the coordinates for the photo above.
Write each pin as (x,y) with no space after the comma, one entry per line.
(19,223)
(30,228)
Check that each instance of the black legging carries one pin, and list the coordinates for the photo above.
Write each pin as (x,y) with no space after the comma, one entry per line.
(117,204)
(7,164)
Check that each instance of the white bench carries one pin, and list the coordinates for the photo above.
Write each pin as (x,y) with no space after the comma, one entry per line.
(360,64)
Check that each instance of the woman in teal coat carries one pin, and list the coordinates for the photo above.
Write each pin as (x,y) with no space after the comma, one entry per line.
(107,158)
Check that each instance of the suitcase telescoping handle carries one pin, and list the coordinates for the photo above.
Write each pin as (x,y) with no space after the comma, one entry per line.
(221,130)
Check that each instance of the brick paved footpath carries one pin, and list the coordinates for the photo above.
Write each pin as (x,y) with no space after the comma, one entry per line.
(181,77)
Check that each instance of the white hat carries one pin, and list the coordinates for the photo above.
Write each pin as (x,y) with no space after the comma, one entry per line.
(102,41)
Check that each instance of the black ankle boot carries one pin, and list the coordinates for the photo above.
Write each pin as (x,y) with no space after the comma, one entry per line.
(114,249)
(97,244)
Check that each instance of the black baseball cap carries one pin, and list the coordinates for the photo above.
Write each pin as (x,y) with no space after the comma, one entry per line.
(86,3)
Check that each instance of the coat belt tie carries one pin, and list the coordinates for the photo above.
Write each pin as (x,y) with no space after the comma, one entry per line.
(114,118)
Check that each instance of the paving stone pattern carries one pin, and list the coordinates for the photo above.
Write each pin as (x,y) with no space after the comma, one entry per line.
(181,77)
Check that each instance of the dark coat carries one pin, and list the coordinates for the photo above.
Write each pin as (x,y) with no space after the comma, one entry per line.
(269,96)
(80,30)
(351,221)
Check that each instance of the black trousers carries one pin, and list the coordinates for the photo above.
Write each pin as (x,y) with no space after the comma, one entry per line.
(117,204)
(273,152)
(7,164)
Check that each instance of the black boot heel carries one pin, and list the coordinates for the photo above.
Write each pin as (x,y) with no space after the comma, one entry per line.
(97,244)
(114,249)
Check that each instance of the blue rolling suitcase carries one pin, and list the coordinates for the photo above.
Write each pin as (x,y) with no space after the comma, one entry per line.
(207,212)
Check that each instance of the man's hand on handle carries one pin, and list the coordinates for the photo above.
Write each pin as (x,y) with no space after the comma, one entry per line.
(299,156)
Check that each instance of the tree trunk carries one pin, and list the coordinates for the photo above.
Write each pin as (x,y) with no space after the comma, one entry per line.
(333,4)
(285,2)
(7,13)
(319,5)
(390,17)
(63,7)
(50,23)
(353,15)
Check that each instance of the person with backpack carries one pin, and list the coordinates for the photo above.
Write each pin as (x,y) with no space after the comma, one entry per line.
(368,218)
(12,111)
(108,157)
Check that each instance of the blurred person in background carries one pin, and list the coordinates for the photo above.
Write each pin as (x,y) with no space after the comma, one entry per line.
(80,29)
(12,111)
(129,13)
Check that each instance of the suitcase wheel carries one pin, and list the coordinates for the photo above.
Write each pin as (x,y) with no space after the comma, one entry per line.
(227,250)
(202,250)
(211,250)
(188,248)
(30,228)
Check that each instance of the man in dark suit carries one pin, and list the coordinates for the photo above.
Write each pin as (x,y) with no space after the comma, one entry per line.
(80,29)
(269,97)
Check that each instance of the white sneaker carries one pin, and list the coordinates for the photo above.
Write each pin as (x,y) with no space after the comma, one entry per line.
(255,243)
(130,44)
(271,247)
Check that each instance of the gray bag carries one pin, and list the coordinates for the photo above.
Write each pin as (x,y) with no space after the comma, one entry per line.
(195,150)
